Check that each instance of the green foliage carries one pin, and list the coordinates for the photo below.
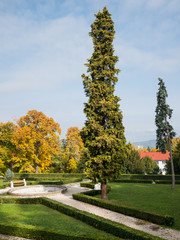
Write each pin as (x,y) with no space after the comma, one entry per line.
(9,175)
(130,211)
(163,112)
(103,133)
(176,160)
(135,165)
(150,166)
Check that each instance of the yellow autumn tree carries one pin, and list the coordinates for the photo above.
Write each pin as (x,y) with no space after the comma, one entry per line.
(36,140)
(6,147)
(73,149)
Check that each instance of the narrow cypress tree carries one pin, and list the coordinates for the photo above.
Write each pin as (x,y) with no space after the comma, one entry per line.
(103,133)
(164,132)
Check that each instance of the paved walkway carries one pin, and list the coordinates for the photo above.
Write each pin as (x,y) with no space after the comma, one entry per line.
(138,224)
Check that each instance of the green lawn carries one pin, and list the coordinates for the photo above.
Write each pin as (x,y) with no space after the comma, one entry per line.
(152,197)
(46,218)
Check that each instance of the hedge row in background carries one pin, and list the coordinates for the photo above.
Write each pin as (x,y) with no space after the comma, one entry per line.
(88,185)
(100,223)
(145,181)
(130,211)
(44,182)
(4,184)
(147,177)
(47,176)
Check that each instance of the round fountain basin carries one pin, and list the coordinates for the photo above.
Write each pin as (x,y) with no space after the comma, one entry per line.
(37,190)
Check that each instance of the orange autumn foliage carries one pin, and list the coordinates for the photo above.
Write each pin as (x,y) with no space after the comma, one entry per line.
(36,139)
(73,150)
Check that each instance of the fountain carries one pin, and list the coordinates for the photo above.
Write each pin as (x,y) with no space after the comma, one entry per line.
(37,190)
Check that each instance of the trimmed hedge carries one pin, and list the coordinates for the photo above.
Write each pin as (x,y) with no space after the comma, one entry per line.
(130,211)
(149,176)
(4,185)
(38,233)
(145,181)
(133,180)
(100,223)
(88,185)
(47,176)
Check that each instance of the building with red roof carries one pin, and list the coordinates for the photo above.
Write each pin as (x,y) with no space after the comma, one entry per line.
(158,157)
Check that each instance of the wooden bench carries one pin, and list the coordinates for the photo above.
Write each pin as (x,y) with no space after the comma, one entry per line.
(18,183)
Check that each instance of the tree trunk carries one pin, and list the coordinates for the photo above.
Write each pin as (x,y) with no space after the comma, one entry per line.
(37,154)
(104,191)
(37,168)
(172,164)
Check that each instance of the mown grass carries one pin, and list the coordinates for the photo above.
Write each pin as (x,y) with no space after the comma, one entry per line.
(46,218)
(157,198)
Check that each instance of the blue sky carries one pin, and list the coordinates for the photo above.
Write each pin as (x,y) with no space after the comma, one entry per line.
(44,45)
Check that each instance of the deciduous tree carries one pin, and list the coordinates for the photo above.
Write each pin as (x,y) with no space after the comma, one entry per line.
(164,132)
(103,133)
(36,139)
(176,159)
(6,146)
(73,149)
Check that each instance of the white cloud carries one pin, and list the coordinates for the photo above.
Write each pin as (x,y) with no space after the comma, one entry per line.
(43,54)
(149,60)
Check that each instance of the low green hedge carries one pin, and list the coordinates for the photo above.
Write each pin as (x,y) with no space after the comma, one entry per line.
(148,177)
(88,185)
(133,181)
(4,184)
(113,228)
(37,233)
(145,181)
(166,181)
(130,211)
(47,176)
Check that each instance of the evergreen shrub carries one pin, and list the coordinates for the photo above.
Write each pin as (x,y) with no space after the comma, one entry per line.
(9,175)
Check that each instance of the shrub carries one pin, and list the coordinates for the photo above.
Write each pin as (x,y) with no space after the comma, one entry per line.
(9,175)
(88,185)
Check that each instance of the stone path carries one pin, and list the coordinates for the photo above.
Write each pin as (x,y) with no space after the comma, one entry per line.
(66,198)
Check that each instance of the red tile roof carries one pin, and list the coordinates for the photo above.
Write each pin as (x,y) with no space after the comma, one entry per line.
(156,155)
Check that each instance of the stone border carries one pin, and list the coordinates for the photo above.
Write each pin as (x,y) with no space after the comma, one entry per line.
(62,190)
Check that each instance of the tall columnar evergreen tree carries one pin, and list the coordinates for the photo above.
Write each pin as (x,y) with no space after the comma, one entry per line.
(164,132)
(103,133)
